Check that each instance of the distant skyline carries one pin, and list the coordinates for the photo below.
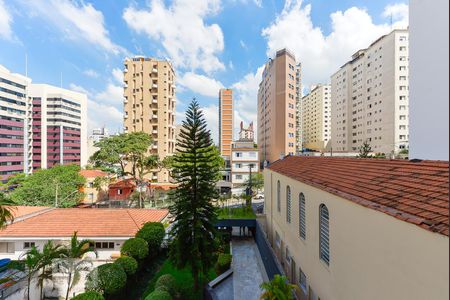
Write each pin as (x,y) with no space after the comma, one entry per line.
(213,44)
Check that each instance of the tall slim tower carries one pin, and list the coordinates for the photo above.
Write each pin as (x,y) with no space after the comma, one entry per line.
(149,105)
(277,107)
(225,121)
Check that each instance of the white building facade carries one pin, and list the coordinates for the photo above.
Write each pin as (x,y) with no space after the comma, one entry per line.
(244,160)
(370,97)
(316,123)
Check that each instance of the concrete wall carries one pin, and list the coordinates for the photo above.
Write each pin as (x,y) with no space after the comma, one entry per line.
(429,28)
(372,255)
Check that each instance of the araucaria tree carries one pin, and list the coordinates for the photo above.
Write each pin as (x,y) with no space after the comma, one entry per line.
(195,167)
(364,150)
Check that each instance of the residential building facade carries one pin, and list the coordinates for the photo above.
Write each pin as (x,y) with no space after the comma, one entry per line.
(370,97)
(277,108)
(15,127)
(97,135)
(59,123)
(344,229)
(149,105)
(93,194)
(316,119)
(244,158)
(299,109)
(226,121)
(247,133)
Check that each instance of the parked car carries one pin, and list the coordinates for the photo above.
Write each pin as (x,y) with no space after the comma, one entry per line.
(259,196)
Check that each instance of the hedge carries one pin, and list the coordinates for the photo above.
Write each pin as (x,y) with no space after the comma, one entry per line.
(153,233)
(128,263)
(89,295)
(109,278)
(135,247)
(223,263)
(159,295)
(167,282)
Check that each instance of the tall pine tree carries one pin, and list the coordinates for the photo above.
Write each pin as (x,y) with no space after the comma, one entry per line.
(195,167)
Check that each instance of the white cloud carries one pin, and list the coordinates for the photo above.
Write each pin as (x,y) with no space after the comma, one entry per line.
(100,114)
(399,13)
(187,39)
(200,84)
(76,20)
(113,94)
(77,88)
(118,75)
(321,55)
(5,22)
(91,73)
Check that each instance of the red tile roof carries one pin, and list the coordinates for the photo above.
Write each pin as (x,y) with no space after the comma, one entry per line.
(415,192)
(126,183)
(93,173)
(22,211)
(63,222)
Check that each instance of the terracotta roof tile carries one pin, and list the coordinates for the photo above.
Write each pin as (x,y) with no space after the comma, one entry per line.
(63,222)
(93,173)
(22,211)
(416,192)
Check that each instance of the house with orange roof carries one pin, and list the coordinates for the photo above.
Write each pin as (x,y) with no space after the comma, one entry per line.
(108,229)
(346,228)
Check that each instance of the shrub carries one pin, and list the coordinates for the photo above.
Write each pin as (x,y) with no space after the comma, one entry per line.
(109,278)
(89,295)
(128,263)
(153,233)
(135,247)
(16,265)
(167,282)
(223,263)
(159,295)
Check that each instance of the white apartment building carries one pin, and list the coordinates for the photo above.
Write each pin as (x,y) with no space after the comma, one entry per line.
(97,135)
(59,123)
(244,160)
(316,120)
(370,97)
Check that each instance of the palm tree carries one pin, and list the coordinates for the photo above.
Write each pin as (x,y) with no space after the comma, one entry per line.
(32,264)
(50,252)
(6,210)
(73,262)
(278,289)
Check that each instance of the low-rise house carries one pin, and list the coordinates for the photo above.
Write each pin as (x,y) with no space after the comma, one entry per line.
(121,190)
(360,228)
(108,229)
(93,194)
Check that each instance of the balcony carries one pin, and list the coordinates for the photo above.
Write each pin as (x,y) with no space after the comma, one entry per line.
(155,117)
(155,71)
(155,147)
(154,86)
(155,132)
(154,101)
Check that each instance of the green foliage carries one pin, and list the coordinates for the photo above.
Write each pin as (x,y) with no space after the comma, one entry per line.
(135,247)
(404,152)
(257,181)
(89,295)
(6,210)
(196,169)
(108,278)
(168,283)
(153,233)
(41,187)
(16,265)
(278,289)
(128,263)
(223,263)
(159,295)
(364,150)
(236,213)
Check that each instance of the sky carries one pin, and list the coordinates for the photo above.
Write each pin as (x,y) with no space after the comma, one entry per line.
(81,45)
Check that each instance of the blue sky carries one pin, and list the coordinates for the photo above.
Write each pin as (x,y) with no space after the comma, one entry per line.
(212,43)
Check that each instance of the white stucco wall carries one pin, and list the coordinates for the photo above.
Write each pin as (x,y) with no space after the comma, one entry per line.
(372,255)
(429,77)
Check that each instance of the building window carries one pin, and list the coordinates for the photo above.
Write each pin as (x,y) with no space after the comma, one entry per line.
(119,192)
(278,196)
(238,154)
(288,204)
(302,216)
(91,196)
(238,177)
(302,282)
(288,256)
(28,245)
(277,240)
(102,245)
(324,237)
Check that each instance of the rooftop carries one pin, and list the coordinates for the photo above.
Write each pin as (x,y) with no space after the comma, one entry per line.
(413,191)
(93,173)
(63,222)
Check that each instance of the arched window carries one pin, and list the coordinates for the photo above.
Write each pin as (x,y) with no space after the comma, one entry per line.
(278,196)
(302,216)
(288,204)
(324,237)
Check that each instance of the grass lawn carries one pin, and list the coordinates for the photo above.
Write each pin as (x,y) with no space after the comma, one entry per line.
(183,278)
(236,213)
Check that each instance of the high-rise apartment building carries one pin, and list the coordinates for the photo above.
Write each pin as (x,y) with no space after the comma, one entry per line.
(15,140)
(149,105)
(299,109)
(59,120)
(226,121)
(316,123)
(370,97)
(277,107)
(97,135)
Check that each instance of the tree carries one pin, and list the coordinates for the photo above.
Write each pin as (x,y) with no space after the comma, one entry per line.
(128,263)
(73,263)
(108,278)
(257,181)
(365,150)
(89,295)
(59,186)
(153,233)
(196,169)
(50,252)
(32,263)
(6,210)
(278,289)
(135,247)
(127,155)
